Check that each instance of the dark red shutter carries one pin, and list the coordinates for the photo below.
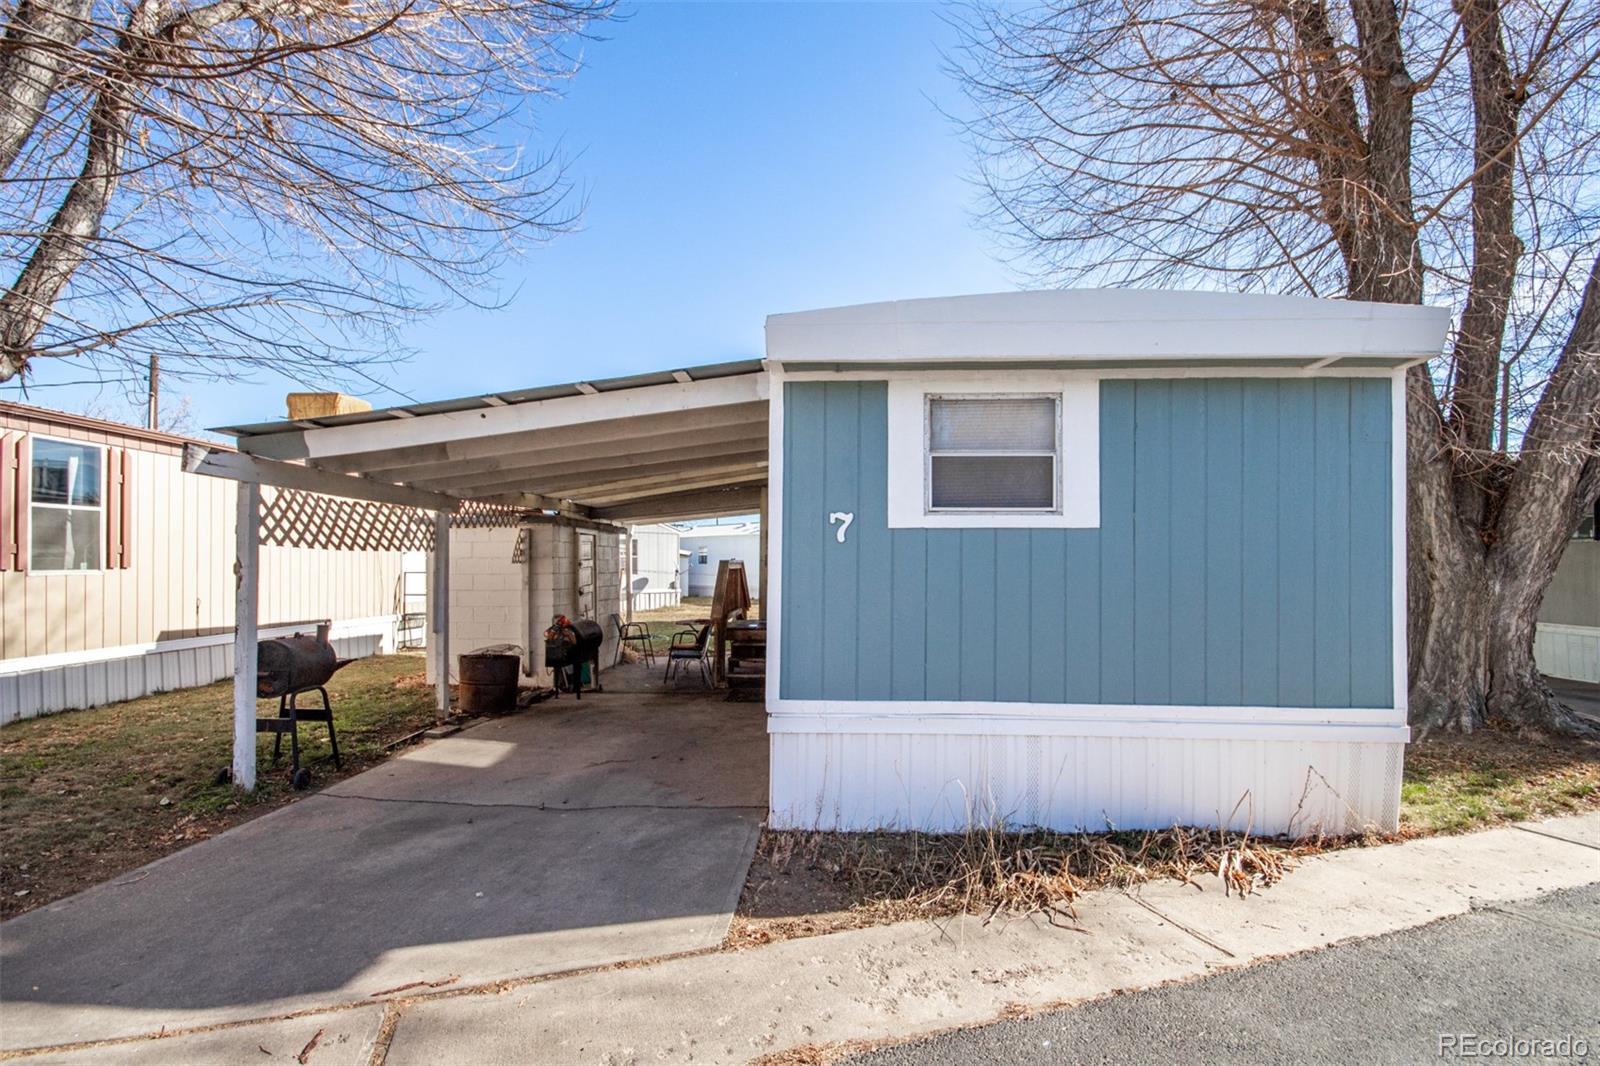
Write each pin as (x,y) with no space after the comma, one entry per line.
(125,510)
(14,496)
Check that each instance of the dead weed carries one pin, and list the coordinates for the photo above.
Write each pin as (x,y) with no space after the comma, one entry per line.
(869,878)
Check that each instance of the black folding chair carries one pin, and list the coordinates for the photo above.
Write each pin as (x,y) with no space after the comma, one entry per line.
(689,647)
(636,633)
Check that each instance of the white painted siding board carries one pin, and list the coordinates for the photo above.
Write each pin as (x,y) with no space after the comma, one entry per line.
(1571,652)
(868,781)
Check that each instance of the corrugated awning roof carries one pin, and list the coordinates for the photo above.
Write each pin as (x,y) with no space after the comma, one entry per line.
(646,447)
(503,398)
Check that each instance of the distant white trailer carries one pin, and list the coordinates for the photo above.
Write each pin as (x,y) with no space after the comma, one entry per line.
(655,558)
(709,545)
(1568,640)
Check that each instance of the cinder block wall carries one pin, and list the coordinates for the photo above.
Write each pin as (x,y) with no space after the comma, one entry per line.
(486,592)
(552,584)
(553,588)
(608,589)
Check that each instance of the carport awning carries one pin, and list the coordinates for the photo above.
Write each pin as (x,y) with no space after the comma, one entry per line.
(681,443)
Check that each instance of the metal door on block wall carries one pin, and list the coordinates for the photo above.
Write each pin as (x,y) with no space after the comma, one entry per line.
(586,546)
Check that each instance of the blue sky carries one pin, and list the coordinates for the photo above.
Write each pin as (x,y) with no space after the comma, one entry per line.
(736,160)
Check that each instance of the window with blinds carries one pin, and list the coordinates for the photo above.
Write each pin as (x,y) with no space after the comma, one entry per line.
(995,453)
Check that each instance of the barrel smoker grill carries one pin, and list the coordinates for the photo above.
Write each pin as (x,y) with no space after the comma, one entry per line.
(567,646)
(288,668)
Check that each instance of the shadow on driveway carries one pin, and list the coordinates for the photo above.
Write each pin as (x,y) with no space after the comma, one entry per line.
(584,834)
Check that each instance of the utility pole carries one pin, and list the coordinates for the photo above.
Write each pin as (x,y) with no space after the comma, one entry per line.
(154,414)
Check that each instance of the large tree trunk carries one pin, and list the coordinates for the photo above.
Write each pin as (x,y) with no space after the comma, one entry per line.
(34,55)
(1475,589)
(1473,615)
(1446,578)
(73,229)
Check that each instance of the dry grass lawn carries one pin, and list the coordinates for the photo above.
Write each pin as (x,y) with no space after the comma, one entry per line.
(1455,784)
(663,622)
(87,795)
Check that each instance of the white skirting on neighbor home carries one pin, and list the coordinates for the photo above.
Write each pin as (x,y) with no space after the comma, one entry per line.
(655,599)
(947,781)
(1572,652)
(44,684)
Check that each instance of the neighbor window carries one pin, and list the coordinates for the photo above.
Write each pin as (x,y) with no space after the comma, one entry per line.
(994,453)
(64,506)
(702,557)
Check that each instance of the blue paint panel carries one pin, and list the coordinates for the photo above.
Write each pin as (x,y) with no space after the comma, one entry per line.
(1371,572)
(870,530)
(1332,511)
(1117,416)
(1083,654)
(1152,542)
(1258,542)
(1047,601)
(1243,557)
(909,615)
(803,429)
(977,614)
(945,620)
(1297,559)
(1187,623)
(841,492)
(1223,565)
(1013,612)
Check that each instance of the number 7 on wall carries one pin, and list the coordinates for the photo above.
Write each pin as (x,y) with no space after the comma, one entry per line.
(844,518)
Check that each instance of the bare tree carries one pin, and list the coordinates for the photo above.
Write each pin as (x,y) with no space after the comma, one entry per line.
(1398,153)
(236,184)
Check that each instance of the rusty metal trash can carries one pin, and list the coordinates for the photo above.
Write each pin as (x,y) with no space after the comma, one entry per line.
(489,679)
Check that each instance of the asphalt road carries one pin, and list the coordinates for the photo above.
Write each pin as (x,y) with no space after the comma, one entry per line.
(1527,971)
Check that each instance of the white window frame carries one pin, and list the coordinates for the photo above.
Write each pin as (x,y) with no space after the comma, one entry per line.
(929,453)
(100,532)
(1077,489)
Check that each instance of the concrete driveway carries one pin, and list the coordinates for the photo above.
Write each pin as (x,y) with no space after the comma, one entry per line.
(580,835)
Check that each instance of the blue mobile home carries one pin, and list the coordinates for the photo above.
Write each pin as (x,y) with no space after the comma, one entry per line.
(1053,558)
(1089,558)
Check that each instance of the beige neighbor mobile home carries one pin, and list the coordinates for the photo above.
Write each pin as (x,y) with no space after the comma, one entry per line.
(1568,641)
(116,569)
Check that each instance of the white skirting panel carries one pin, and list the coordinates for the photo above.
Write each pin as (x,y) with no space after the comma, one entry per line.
(655,599)
(1571,652)
(949,781)
(111,675)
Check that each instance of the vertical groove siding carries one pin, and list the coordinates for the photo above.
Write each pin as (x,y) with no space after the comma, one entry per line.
(1243,558)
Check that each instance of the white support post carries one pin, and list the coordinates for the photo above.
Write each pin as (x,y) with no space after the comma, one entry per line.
(761,567)
(246,570)
(627,567)
(439,613)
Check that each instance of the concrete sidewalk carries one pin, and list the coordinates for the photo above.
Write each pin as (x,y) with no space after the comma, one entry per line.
(1450,990)
(897,982)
